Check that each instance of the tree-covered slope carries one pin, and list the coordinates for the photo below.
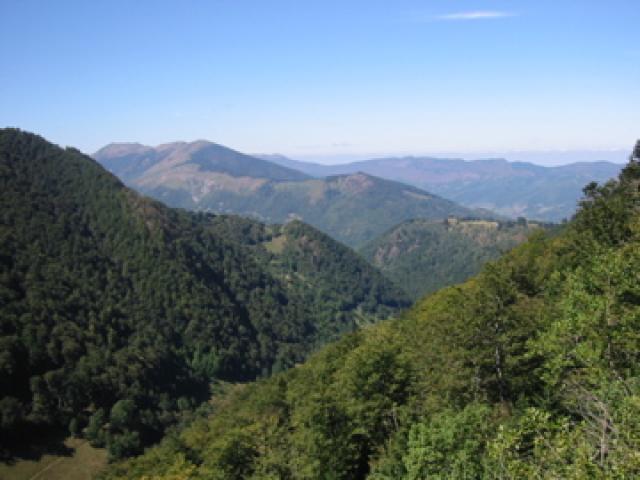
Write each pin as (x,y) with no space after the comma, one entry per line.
(422,256)
(117,313)
(338,289)
(353,208)
(528,370)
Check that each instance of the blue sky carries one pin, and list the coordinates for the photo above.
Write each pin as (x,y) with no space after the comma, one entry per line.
(325,78)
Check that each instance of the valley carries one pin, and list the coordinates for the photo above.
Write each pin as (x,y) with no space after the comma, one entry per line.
(508,375)
(319,240)
(122,316)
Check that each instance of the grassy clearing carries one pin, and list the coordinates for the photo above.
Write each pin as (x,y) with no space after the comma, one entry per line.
(277,244)
(81,463)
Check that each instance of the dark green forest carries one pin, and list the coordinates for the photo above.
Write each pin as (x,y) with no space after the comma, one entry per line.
(528,370)
(118,314)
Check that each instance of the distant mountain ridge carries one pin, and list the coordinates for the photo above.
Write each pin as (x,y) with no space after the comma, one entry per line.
(512,189)
(353,208)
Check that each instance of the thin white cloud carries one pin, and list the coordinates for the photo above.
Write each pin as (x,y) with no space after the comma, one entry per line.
(475,15)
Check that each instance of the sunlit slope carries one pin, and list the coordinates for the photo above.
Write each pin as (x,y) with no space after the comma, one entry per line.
(528,370)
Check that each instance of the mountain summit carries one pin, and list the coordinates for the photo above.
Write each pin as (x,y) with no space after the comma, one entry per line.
(187,160)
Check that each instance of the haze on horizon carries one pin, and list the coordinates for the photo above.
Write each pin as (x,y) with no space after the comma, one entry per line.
(330,81)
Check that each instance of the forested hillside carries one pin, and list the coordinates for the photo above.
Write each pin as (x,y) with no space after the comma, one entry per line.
(529,370)
(422,256)
(337,289)
(202,176)
(117,313)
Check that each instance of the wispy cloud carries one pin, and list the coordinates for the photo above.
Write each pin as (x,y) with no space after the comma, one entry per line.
(475,15)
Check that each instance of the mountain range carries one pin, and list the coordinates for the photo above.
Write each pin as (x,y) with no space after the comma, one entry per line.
(511,189)
(273,188)
(353,208)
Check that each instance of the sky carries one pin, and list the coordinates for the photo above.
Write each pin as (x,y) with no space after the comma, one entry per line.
(323,79)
